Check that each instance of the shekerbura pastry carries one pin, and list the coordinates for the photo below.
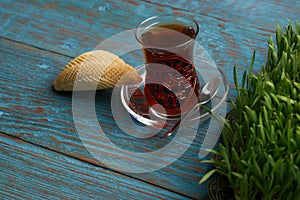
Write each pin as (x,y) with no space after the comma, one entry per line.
(95,70)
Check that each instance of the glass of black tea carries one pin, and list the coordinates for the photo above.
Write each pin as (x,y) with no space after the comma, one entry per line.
(171,84)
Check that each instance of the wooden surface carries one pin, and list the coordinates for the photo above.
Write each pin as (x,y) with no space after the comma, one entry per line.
(31,172)
(41,152)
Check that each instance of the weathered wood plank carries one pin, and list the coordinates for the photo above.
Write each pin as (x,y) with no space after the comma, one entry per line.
(31,172)
(72,28)
(262,15)
(31,110)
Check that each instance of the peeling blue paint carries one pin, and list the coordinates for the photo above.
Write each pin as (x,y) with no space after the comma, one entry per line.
(70,43)
(102,8)
(42,66)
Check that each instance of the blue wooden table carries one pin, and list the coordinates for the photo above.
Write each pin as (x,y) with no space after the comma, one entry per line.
(41,153)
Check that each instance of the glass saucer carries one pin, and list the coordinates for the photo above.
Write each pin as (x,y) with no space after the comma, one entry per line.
(134,101)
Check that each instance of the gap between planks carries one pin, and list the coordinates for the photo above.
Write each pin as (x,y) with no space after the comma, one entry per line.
(91,163)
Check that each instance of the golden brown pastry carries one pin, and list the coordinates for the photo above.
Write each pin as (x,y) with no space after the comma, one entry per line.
(97,68)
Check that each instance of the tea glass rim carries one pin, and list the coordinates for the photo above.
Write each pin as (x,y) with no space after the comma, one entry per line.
(138,27)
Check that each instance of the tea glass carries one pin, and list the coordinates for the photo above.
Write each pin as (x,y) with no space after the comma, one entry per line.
(171,84)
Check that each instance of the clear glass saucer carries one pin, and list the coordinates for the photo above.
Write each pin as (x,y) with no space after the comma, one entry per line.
(134,101)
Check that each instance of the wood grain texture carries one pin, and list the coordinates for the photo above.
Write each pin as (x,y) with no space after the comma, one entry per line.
(72,28)
(32,111)
(31,172)
(52,32)
(262,15)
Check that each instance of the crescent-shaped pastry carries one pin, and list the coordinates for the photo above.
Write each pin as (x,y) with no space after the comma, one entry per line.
(95,70)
